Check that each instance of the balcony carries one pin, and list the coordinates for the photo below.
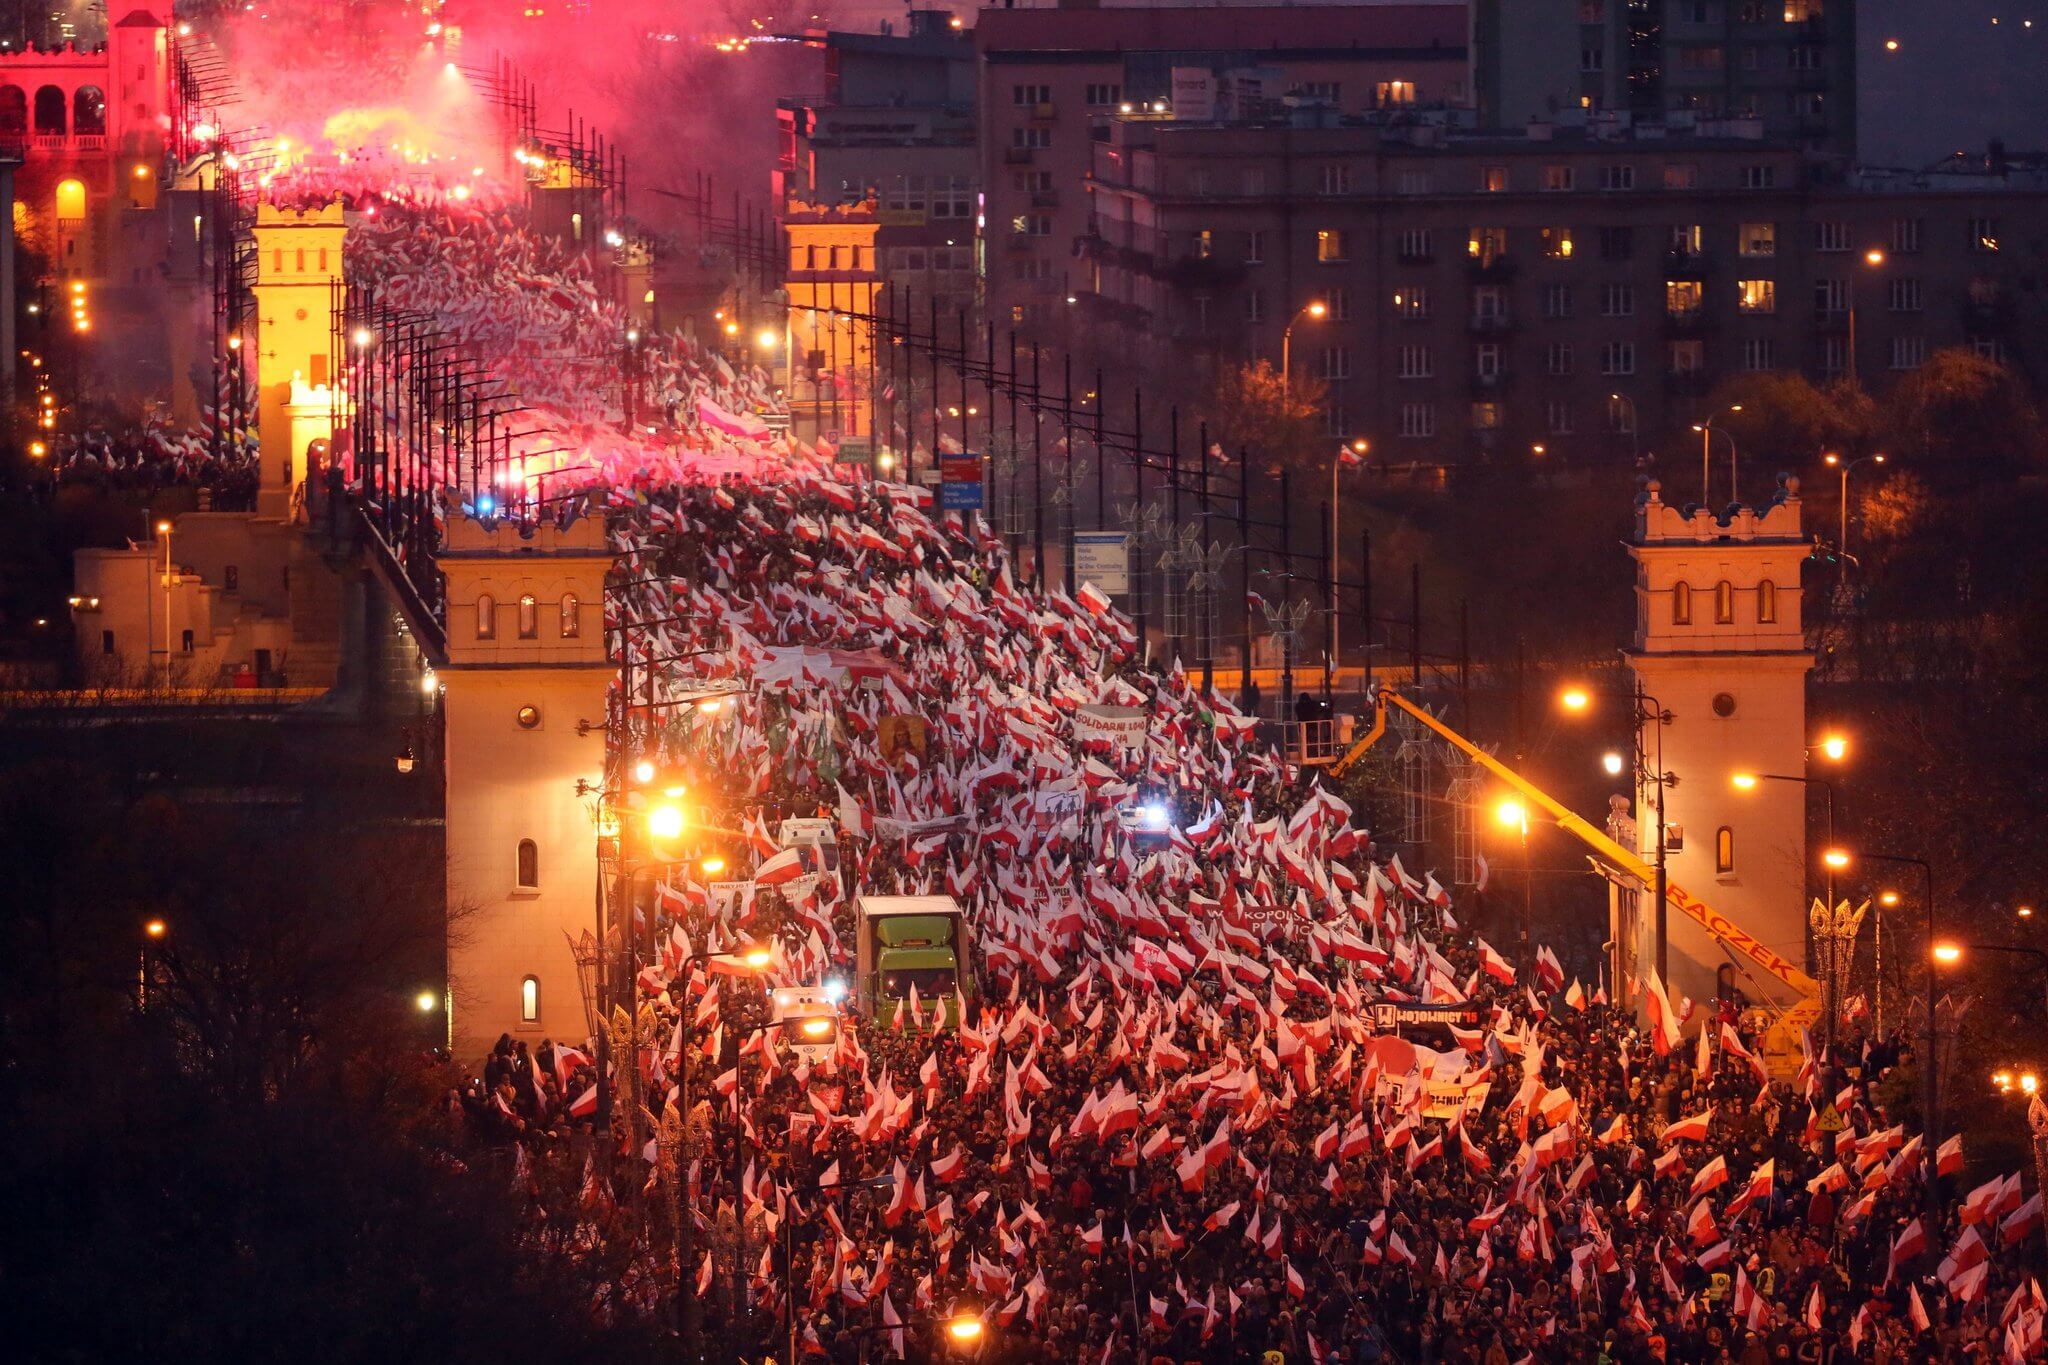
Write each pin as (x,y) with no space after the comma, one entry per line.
(1019,242)
(1686,321)
(1495,267)
(1687,265)
(1490,323)
(1045,112)
(1017,156)
(1489,381)
(1416,257)
(1831,319)
(1045,199)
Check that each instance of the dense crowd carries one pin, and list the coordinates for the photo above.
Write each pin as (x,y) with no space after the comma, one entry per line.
(1167,1126)
(1157,1120)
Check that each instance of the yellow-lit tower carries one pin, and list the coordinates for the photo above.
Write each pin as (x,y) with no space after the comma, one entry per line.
(1719,645)
(298,266)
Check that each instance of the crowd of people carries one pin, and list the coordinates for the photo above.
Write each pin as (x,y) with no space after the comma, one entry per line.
(1156,1116)
(1167,1125)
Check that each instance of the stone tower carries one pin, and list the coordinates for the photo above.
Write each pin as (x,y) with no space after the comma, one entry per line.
(298,266)
(1719,644)
(832,284)
(526,666)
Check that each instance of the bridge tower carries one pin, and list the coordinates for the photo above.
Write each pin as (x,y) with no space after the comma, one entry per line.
(526,664)
(1720,646)
(833,282)
(298,274)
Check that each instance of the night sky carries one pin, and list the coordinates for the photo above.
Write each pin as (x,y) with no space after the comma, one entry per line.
(1956,80)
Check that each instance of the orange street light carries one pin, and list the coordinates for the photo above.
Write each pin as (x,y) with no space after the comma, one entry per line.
(1888,899)
(156,928)
(1743,782)
(964,1329)
(1835,747)
(666,821)
(1575,699)
(1836,858)
(1948,954)
(712,865)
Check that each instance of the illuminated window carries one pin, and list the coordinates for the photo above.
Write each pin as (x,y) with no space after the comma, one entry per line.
(486,617)
(71,200)
(1757,296)
(572,617)
(529,1000)
(1758,239)
(1329,244)
(1493,179)
(1682,297)
(1766,602)
(529,617)
(1724,603)
(1681,604)
(1557,243)
(526,866)
(1394,92)
(1724,849)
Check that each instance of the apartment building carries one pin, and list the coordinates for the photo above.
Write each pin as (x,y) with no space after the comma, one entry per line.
(1052,81)
(895,124)
(1789,63)
(1578,288)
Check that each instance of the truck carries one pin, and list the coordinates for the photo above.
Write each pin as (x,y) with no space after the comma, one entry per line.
(906,942)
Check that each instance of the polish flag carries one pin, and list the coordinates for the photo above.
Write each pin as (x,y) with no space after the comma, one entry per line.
(785,866)
(1663,1019)
(1692,1129)
(950,1167)
(1093,599)
(1948,1158)
(1699,1225)
(1711,1176)
(1716,1256)
(1494,965)
(1296,1286)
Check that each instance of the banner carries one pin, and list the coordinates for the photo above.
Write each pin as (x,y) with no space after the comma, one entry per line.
(1122,725)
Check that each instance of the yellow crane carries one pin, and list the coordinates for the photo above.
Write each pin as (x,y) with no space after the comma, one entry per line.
(1787,996)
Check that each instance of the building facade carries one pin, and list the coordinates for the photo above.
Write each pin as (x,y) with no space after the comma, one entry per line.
(1719,647)
(1579,288)
(895,126)
(1052,82)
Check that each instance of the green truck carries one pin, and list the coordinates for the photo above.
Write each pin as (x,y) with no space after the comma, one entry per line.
(908,942)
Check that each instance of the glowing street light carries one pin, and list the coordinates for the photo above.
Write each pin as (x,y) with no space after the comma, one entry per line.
(1744,782)
(1613,763)
(1948,954)
(1836,858)
(427,1001)
(1512,814)
(1575,699)
(768,339)
(712,865)
(666,821)
(156,928)
(1835,747)
(964,1329)
(643,772)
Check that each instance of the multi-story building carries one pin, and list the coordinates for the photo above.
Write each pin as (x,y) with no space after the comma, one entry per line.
(1569,287)
(1789,63)
(894,125)
(1053,80)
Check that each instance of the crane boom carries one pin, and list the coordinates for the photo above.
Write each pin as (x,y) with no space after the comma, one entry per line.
(1793,1007)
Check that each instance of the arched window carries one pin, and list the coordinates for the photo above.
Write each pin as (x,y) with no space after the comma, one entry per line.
(486,617)
(1766,602)
(572,616)
(89,111)
(529,1000)
(526,866)
(1681,604)
(50,110)
(1724,603)
(529,617)
(1724,849)
(13,109)
(71,201)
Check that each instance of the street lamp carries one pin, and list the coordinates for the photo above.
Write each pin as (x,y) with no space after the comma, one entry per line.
(1354,450)
(1634,451)
(163,528)
(1834,461)
(1577,701)
(1613,763)
(1930,1093)
(1706,430)
(1873,258)
(1316,310)
(1513,815)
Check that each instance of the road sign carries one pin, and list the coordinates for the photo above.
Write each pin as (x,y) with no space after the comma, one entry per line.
(1104,559)
(960,483)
